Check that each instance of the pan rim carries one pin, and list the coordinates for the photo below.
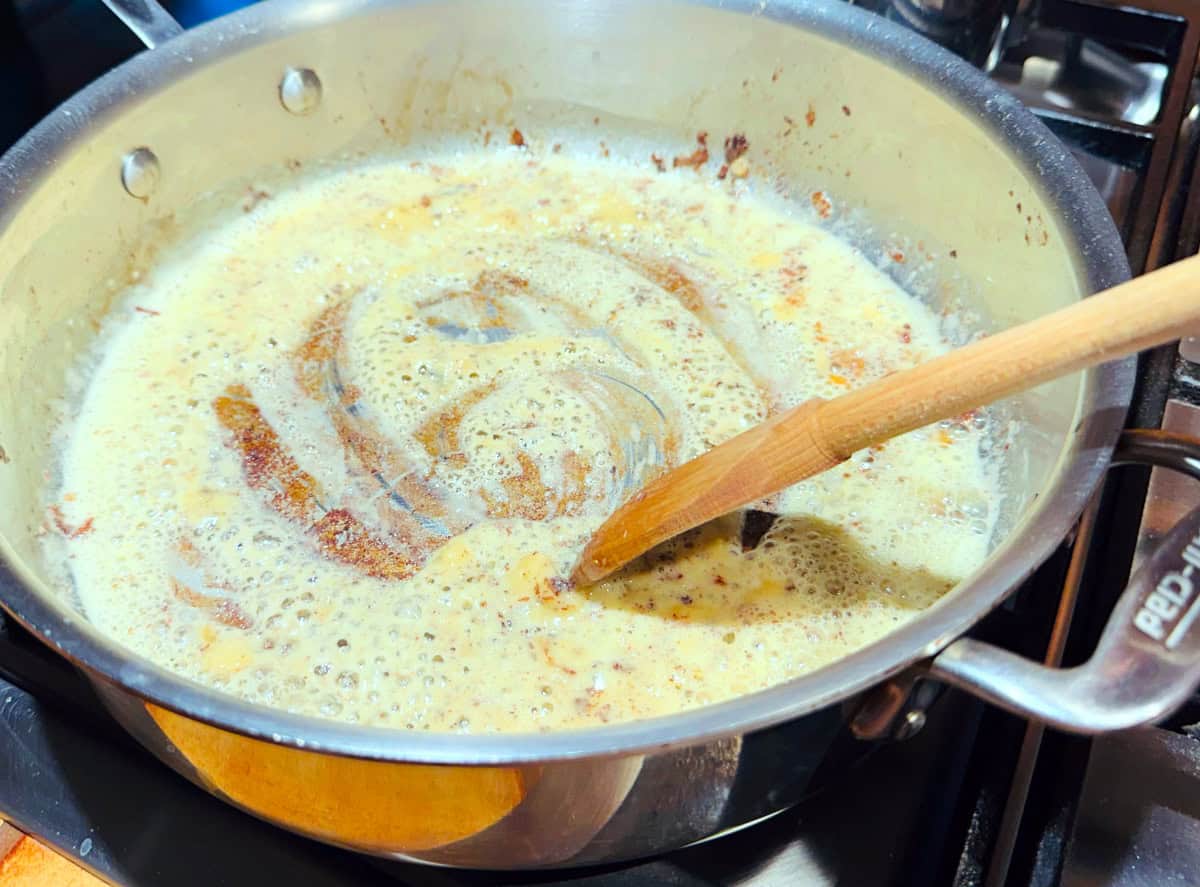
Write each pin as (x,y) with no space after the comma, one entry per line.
(1106,391)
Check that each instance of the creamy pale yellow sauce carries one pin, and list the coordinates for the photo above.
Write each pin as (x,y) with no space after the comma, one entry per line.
(340,455)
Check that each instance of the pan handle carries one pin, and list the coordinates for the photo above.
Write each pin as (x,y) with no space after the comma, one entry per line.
(151,23)
(1147,662)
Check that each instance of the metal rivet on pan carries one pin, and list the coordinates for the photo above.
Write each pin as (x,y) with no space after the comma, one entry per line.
(300,90)
(140,173)
(911,725)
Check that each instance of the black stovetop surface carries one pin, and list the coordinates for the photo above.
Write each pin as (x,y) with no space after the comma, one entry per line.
(930,810)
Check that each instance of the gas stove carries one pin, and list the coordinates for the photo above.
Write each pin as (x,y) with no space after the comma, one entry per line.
(973,796)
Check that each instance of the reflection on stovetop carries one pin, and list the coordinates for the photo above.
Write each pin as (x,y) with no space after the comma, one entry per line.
(1138,825)
(975,798)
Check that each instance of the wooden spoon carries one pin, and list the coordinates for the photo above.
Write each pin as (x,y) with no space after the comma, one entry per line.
(819,434)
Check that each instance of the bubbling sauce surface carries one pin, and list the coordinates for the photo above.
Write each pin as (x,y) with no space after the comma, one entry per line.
(340,454)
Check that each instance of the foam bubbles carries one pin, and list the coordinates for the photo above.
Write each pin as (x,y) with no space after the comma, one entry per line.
(524,339)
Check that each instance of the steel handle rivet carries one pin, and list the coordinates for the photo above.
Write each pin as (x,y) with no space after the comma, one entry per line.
(140,173)
(300,90)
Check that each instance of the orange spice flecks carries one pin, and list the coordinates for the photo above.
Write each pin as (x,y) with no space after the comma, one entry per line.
(343,537)
(224,610)
(574,488)
(321,347)
(526,493)
(543,646)
(66,529)
(667,276)
(793,269)
(795,298)
(438,434)
(266,464)
(268,467)
(372,455)
(848,362)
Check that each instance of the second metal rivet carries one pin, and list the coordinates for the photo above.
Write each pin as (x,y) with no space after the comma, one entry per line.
(300,90)
(140,173)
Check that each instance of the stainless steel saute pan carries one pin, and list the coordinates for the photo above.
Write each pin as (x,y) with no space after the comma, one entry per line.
(910,138)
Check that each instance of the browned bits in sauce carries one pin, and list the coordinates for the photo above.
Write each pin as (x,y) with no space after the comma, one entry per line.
(267,466)
(439,433)
(373,453)
(822,204)
(810,116)
(846,110)
(223,610)
(658,162)
(415,435)
(254,196)
(697,158)
(516,138)
(735,146)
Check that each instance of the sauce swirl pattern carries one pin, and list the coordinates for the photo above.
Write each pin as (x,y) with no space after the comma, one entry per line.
(378,416)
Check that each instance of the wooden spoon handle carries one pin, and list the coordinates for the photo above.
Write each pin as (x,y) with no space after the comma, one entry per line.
(813,437)
(1130,317)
